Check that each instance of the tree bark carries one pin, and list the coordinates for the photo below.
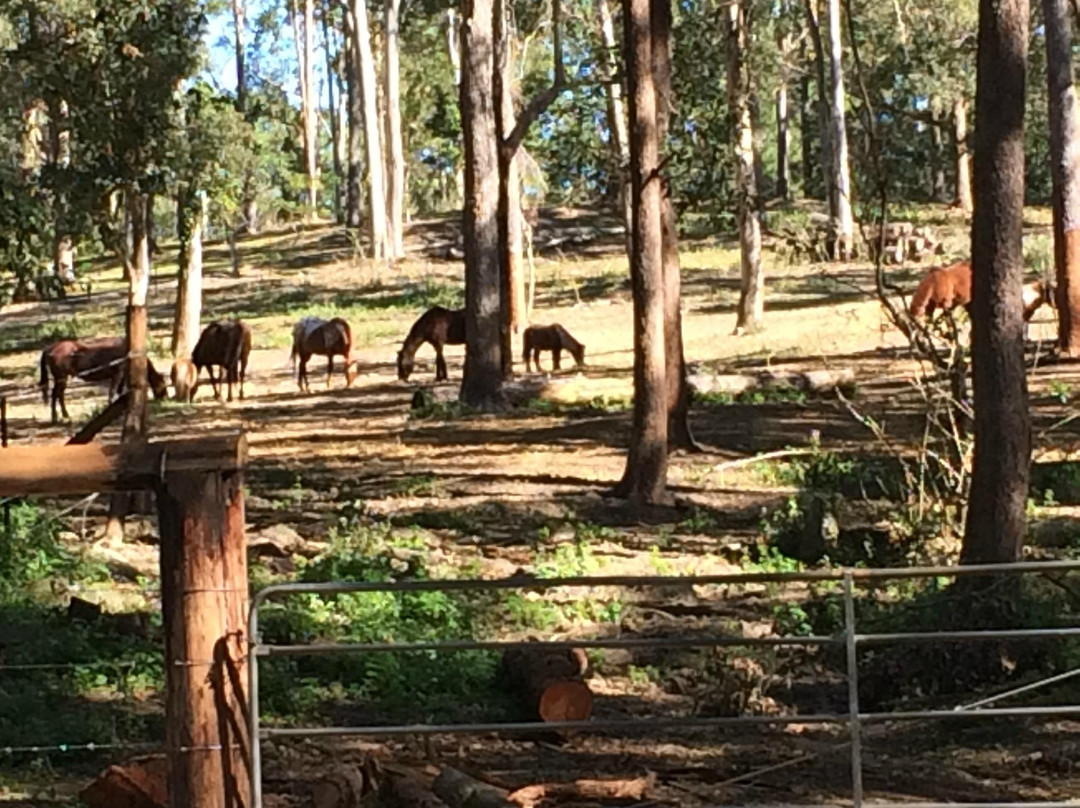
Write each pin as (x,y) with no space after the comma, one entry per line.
(806,135)
(191,213)
(365,59)
(999,486)
(453,48)
(751,311)
(395,153)
(616,115)
(783,186)
(481,386)
(813,27)
(1065,171)
(335,132)
(239,12)
(963,156)
(645,479)
(355,115)
(309,121)
(678,392)
(843,221)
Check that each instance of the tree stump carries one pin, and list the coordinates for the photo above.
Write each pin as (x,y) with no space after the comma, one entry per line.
(548,682)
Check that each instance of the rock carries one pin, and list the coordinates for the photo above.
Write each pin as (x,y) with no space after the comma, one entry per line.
(83,610)
(279,541)
(136,784)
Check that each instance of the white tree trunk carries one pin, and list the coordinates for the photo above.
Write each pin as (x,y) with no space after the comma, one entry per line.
(844,223)
(191,216)
(751,312)
(369,97)
(304,34)
(616,109)
(518,316)
(963,156)
(395,155)
(453,48)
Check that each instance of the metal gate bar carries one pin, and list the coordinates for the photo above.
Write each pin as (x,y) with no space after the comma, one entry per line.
(850,638)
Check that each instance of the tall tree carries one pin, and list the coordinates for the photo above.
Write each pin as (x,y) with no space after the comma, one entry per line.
(678,391)
(825,131)
(239,11)
(304,33)
(1065,171)
(335,131)
(514,298)
(481,385)
(645,479)
(616,116)
(963,156)
(751,311)
(190,217)
(365,59)
(354,108)
(395,152)
(937,151)
(999,485)
(843,221)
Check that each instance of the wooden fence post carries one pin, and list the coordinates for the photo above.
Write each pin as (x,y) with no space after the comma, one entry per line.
(204,592)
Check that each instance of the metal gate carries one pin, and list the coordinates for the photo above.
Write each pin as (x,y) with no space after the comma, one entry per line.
(849,638)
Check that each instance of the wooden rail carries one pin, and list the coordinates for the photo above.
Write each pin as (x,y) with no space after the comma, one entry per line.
(58,470)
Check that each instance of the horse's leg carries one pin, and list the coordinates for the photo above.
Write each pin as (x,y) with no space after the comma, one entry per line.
(536,360)
(329,369)
(58,395)
(301,376)
(53,397)
(556,358)
(441,373)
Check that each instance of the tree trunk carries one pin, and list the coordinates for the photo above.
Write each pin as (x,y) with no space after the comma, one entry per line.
(191,213)
(645,479)
(999,485)
(1065,171)
(783,187)
(481,386)
(305,52)
(937,153)
(335,132)
(369,103)
(239,14)
(453,47)
(678,392)
(843,221)
(355,116)
(616,115)
(963,156)
(751,311)
(395,154)
(813,26)
(510,223)
(806,135)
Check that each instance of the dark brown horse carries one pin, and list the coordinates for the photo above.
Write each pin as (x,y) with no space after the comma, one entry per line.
(314,336)
(225,344)
(552,338)
(439,327)
(102,360)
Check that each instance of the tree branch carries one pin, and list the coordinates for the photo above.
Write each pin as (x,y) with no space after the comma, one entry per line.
(543,100)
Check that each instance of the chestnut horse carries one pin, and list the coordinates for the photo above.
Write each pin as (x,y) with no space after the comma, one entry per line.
(945,288)
(314,336)
(439,327)
(225,344)
(102,359)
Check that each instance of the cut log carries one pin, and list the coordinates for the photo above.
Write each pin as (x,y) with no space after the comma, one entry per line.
(810,381)
(549,682)
(396,791)
(460,790)
(635,789)
(136,784)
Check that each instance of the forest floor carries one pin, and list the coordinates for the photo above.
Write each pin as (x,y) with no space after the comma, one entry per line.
(487,494)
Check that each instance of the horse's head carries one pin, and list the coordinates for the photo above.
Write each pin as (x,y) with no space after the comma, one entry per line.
(579,356)
(157,382)
(404,366)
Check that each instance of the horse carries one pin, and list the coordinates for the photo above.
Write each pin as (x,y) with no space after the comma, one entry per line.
(438,326)
(226,344)
(945,288)
(102,359)
(184,377)
(314,336)
(552,338)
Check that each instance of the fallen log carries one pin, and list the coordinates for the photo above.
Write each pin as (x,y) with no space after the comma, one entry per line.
(396,791)
(136,784)
(549,682)
(809,381)
(460,790)
(634,789)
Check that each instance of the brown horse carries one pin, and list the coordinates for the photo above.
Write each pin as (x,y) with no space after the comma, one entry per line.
(552,338)
(103,359)
(225,344)
(439,327)
(945,288)
(314,336)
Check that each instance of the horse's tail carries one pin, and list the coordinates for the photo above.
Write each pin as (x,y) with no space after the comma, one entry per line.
(296,332)
(44,381)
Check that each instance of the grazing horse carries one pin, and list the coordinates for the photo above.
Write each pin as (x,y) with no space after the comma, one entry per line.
(438,326)
(184,377)
(225,344)
(552,338)
(314,336)
(102,359)
(945,288)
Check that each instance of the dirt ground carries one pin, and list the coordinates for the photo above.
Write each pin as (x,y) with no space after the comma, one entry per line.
(483,486)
